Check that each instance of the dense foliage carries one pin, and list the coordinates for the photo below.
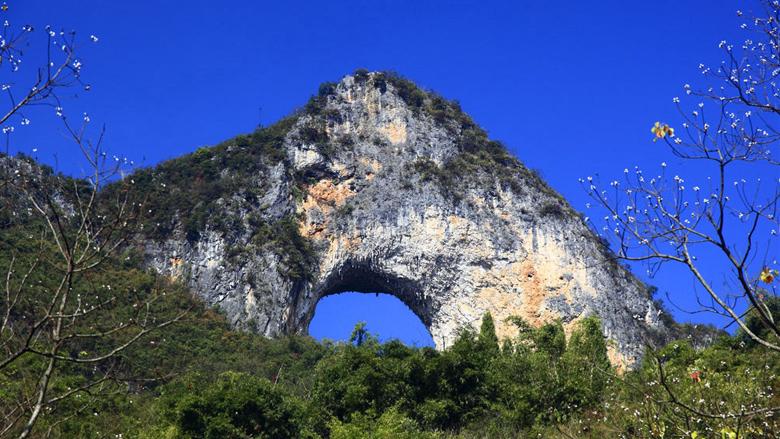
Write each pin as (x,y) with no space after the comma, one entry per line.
(390,388)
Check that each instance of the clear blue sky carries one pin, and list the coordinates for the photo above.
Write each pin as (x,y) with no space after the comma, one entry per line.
(571,87)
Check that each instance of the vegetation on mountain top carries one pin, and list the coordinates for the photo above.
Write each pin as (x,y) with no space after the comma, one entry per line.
(189,189)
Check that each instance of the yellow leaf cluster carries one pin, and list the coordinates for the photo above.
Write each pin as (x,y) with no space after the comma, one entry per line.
(661,130)
(768,276)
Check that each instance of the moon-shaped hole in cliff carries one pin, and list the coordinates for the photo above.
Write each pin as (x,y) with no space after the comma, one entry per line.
(385,315)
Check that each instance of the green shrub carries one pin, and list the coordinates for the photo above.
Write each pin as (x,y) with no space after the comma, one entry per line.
(237,405)
(392,424)
(361,75)
(551,208)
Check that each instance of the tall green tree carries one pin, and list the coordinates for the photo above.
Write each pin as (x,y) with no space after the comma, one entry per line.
(487,339)
(586,366)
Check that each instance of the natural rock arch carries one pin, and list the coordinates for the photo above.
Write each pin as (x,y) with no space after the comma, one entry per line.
(375,308)
(378,186)
(363,280)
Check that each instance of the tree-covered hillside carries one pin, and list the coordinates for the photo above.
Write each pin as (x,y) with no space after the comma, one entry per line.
(198,378)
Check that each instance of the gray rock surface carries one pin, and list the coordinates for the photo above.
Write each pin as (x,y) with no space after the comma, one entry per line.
(380,187)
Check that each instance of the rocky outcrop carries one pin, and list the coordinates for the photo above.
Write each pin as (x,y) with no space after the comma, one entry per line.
(376,186)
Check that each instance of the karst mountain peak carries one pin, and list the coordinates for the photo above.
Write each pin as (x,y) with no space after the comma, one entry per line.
(376,185)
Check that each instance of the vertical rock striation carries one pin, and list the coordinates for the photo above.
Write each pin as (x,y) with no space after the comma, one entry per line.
(377,186)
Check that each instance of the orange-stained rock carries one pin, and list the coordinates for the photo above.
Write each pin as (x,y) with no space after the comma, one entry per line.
(393,192)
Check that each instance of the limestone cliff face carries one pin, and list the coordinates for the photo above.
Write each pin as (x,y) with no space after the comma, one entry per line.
(376,186)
